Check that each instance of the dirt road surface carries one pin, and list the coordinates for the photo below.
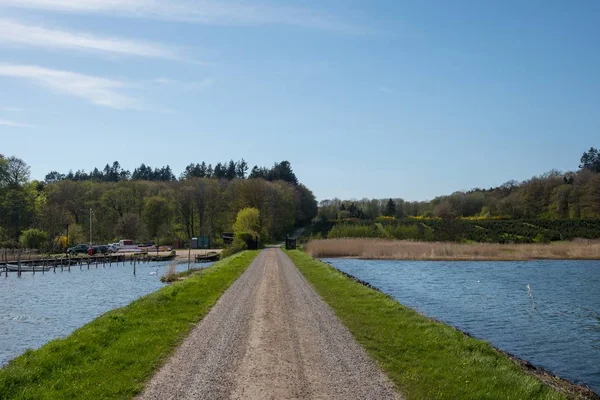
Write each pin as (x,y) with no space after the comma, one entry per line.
(270,336)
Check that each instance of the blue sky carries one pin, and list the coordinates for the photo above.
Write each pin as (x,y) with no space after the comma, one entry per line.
(365,98)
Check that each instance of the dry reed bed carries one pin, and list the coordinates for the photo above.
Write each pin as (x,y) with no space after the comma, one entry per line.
(171,274)
(408,250)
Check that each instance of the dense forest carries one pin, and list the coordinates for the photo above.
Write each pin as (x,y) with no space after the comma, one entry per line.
(148,204)
(152,204)
(554,196)
(227,170)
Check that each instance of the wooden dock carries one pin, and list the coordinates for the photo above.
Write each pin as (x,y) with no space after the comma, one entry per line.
(62,263)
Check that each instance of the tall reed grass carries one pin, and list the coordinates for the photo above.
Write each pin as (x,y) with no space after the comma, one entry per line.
(171,274)
(409,250)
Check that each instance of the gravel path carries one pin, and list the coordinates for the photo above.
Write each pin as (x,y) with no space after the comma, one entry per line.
(270,336)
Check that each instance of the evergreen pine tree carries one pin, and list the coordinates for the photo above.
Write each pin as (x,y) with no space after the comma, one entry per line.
(390,208)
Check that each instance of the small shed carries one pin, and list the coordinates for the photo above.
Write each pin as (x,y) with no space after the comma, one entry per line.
(201,242)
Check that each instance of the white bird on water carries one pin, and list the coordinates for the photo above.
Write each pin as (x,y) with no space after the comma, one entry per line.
(154,272)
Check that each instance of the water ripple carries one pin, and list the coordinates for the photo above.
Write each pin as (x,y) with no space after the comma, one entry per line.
(38,308)
(554,324)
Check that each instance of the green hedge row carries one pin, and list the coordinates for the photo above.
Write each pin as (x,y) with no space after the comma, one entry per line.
(491,231)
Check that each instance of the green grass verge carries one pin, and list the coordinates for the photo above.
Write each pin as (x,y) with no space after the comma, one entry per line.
(114,355)
(424,358)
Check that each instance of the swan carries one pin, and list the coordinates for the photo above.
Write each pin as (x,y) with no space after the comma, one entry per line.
(154,272)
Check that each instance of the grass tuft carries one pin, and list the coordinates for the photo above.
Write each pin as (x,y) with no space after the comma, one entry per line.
(114,355)
(171,274)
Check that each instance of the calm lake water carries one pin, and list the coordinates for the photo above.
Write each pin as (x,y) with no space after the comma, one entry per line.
(555,326)
(35,309)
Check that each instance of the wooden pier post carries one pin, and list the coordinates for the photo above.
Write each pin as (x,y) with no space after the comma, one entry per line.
(19,265)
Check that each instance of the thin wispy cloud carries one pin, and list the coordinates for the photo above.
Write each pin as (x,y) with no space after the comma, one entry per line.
(12,124)
(11,109)
(96,90)
(16,33)
(193,85)
(386,89)
(211,12)
(203,84)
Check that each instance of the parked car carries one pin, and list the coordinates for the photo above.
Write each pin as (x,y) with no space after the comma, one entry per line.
(102,249)
(112,248)
(80,248)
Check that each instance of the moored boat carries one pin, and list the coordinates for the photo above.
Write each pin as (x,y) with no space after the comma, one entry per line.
(128,246)
(27,268)
(208,257)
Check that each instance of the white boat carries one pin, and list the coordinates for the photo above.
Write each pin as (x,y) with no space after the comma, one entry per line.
(27,268)
(128,246)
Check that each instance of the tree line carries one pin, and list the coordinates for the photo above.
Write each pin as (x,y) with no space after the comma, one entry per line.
(227,170)
(148,204)
(554,195)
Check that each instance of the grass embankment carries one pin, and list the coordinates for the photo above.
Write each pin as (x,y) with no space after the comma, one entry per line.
(424,358)
(408,250)
(113,356)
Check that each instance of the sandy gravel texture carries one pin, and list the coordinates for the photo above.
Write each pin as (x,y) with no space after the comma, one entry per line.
(270,336)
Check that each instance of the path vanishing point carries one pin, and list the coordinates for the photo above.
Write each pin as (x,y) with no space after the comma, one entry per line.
(270,336)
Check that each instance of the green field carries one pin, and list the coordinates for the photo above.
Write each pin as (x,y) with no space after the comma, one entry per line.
(114,355)
(424,358)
